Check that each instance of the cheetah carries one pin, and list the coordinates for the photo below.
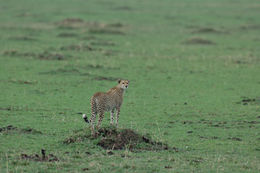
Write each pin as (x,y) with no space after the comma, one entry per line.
(103,102)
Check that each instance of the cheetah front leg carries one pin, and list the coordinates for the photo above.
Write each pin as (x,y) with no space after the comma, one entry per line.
(117,115)
(112,117)
(93,118)
(92,122)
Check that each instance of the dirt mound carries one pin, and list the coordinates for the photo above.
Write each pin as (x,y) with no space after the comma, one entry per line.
(113,139)
(42,158)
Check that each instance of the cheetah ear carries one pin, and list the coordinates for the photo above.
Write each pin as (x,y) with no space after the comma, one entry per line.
(119,80)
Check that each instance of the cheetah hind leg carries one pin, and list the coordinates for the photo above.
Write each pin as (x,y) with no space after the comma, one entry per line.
(92,122)
(93,119)
(101,116)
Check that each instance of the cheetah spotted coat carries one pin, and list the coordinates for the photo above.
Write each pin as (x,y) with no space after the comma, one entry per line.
(109,101)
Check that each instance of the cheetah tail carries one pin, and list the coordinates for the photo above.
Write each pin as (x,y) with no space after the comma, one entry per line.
(84,116)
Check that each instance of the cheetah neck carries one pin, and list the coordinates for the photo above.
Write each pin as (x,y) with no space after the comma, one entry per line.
(116,91)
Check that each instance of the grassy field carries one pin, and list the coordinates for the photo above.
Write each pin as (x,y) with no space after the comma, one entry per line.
(194,71)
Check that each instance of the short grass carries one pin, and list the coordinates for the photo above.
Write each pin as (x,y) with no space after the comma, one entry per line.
(193,67)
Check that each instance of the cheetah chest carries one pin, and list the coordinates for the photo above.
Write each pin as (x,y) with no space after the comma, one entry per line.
(113,102)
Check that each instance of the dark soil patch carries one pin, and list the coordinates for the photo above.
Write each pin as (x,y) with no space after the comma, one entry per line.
(22,38)
(12,108)
(7,128)
(102,43)
(116,25)
(247,101)
(105,78)
(51,56)
(93,27)
(222,124)
(43,56)
(124,8)
(95,66)
(22,81)
(240,62)
(70,23)
(252,122)
(250,27)
(11,128)
(219,124)
(76,71)
(167,167)
(200,41)
(235,139)
(208,137)
(5,108)
(112,139)
(78,48)
(105,31)
(85,169)
(16,53)
(187,122)
(108,52)
(207,30)
(67,35)
(90,37)
(42,158)
(62,71)
(195,161)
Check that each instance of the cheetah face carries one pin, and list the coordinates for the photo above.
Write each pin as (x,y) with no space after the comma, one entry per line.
(123,83)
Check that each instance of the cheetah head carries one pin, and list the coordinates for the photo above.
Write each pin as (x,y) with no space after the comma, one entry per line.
(123,83)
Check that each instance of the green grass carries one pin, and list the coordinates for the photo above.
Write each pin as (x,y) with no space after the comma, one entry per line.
(190,65)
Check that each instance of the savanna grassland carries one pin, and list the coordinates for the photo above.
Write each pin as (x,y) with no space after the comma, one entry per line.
(193,98)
